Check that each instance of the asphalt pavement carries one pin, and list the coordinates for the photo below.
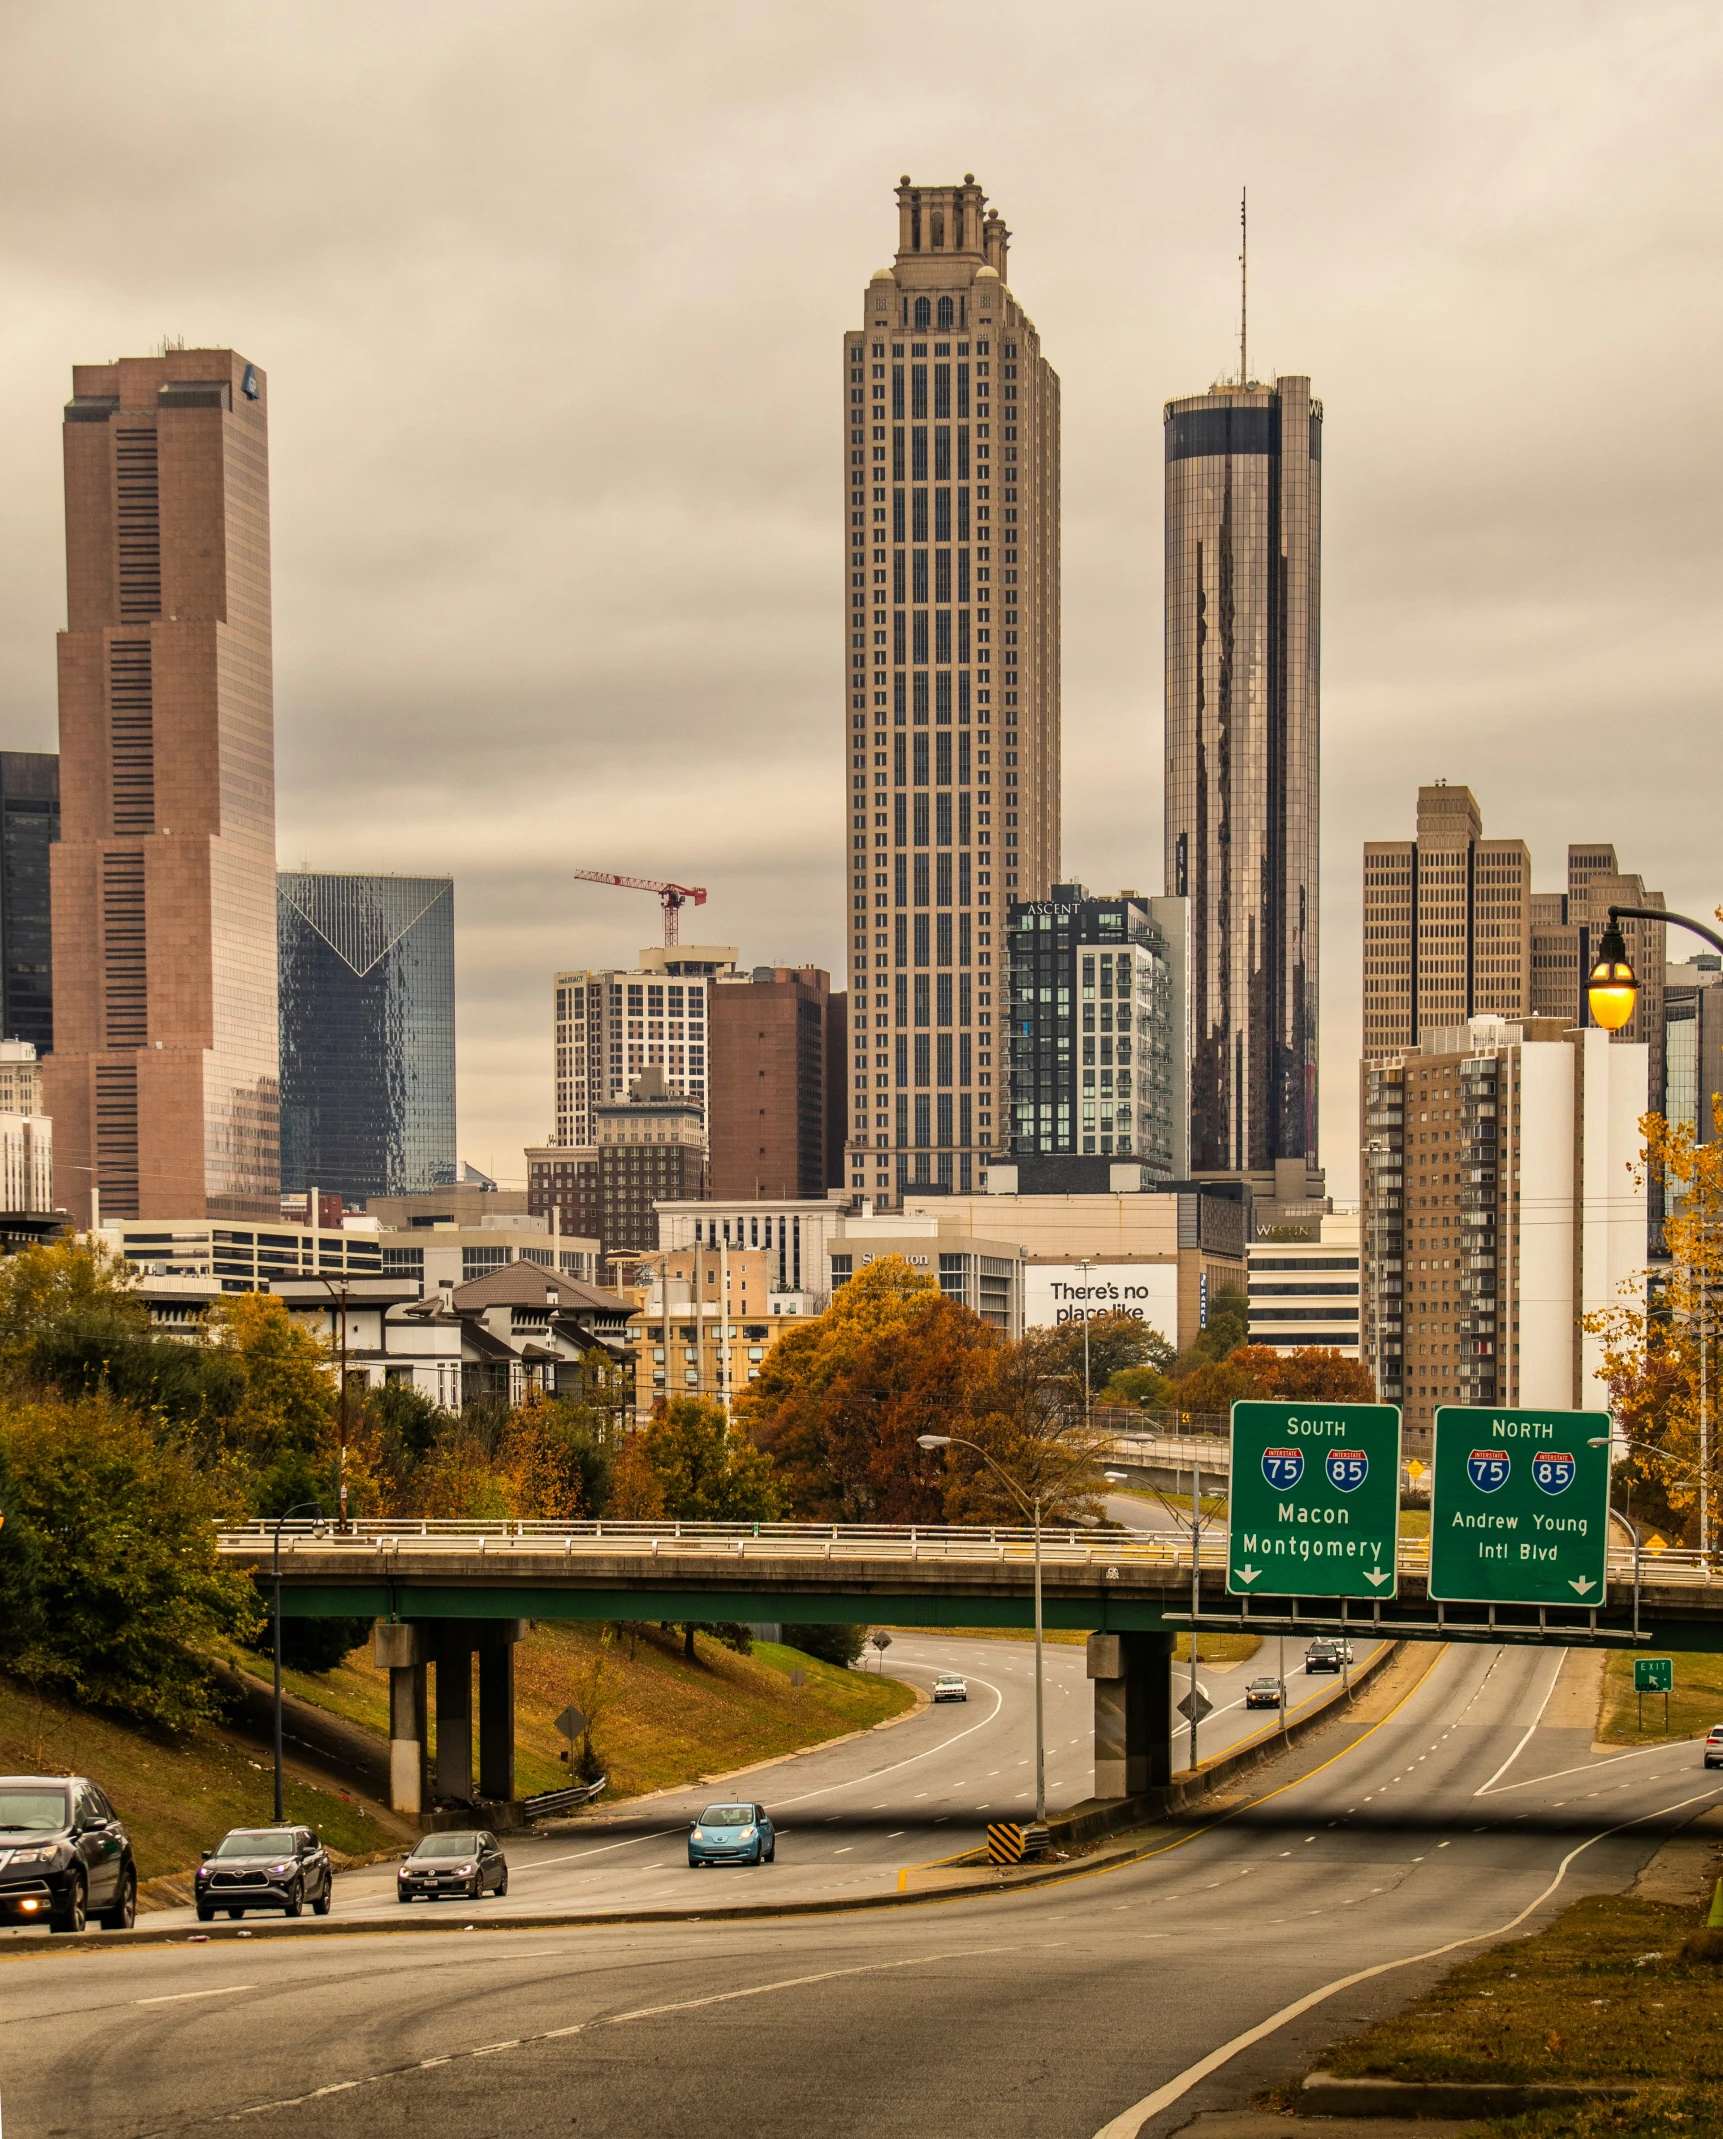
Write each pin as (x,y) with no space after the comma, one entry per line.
(853,1815)
(1089,2007)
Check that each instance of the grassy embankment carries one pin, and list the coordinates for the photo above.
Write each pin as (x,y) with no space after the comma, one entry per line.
(1695,1704)
(178,1796)
(658,1720)
(1603,1994)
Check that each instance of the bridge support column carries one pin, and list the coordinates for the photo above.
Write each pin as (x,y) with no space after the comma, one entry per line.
(1133,1712)
(399,1651)
(455,1711)
(497,1708)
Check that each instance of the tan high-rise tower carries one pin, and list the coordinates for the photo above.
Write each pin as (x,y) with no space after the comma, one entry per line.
(163,1079)
(951,432)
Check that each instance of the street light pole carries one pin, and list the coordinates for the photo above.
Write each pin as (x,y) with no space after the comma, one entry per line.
(952,1440)
(339,1293)
(315,1508)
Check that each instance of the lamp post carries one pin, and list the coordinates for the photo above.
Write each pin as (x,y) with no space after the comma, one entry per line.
(339,1292)
(951,1440)
(1612,990)
(316,1508)
(1086,1265)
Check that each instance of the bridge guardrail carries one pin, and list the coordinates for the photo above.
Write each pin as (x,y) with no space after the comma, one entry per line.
(826,1541)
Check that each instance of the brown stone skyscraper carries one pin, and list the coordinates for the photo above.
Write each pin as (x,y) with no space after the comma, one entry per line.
(951,446)
(163,1079)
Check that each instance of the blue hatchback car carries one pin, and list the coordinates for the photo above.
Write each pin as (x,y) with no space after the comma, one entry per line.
(732,1834)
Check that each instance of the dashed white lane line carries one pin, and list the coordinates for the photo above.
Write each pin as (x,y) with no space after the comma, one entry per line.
(180,1997)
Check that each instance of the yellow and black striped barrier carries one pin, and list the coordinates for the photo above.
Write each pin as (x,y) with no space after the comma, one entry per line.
(1004,1842)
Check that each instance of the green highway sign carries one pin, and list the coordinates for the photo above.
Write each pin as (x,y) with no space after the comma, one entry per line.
(1315,1500)
(1653,1674)
(1519,1506)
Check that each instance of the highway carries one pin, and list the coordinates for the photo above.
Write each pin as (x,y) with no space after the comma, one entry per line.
(855,1813)
(1063,2012)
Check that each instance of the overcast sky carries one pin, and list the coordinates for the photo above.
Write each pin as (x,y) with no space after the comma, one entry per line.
(551,299)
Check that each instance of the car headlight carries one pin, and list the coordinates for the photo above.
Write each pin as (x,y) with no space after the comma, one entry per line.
(699,1835)
(279,1871)
(45,1855)
(747,1835)
(465,1871)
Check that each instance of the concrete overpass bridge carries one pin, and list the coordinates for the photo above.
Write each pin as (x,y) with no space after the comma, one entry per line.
(443,1591)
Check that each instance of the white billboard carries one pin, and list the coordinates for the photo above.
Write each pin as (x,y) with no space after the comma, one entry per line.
(1066,1292)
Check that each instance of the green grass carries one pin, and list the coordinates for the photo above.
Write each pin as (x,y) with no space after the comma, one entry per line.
(177,1796)
(1695,1704)
(659,1721)
(1601,1995)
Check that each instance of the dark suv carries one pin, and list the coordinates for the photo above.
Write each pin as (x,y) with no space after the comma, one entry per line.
(64,1856)
(265,1868)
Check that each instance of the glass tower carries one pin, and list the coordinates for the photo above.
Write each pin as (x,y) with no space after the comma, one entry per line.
(1243,580)
(1098,1029)
(367,1033)
(950,418)
(29,826)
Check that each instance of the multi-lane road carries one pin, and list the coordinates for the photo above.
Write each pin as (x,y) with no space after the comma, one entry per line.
(1091,2006)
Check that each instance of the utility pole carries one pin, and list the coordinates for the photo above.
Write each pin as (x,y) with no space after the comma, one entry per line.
(1196,1582)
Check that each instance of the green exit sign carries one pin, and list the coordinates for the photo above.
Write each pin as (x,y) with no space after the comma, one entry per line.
(1653,1674)
(1315,1500)
(1519,1506)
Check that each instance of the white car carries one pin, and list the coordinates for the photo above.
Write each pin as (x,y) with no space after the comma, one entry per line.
(950,1687)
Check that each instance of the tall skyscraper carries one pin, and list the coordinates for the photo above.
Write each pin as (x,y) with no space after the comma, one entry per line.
(951,440)
(367,1033)
(1447,925)
(163,1080)
(29,826)
(1564,927)
(1243,596)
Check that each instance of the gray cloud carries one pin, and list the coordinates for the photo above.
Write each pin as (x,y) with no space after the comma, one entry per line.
(550,301)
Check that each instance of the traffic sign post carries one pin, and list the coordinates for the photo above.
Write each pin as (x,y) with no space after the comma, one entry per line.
(1519,1507)
(1654,1674)
(1315,1500)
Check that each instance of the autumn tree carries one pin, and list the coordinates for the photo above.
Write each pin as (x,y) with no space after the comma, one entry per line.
(1024,1417)
(707,1470)
(282,1418)
(1119,1342)
(1661,1356)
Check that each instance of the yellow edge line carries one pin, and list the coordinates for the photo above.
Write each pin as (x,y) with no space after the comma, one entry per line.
(1142,1856)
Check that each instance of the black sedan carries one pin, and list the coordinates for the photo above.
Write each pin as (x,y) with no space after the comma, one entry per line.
(463,1865)
(265,1868)
(64,1856)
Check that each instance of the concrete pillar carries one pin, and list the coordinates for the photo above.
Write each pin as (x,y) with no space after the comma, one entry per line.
(1133,1712)
(497,1708)
(455,1711)
(399,1651)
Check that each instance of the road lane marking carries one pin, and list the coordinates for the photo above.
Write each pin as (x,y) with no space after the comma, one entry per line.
(1549,1692)
(580,2027)
(179,1997)
(1130,2122)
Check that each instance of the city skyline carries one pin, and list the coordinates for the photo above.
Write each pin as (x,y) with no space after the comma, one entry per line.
(475,643)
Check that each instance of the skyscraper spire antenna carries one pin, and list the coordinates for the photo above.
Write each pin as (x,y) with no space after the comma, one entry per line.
(1244,286)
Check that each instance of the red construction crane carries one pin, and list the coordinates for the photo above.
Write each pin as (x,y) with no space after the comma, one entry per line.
(672,897)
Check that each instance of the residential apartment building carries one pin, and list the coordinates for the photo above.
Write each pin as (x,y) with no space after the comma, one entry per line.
(163,1079)
(367,967)
(767,1046)
(703,1323)
(1100,1028)
(1243,642)
(950,424)
(1447,925)
(1306,1292)
(613,1024)
(29,827)
(1499,1209)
